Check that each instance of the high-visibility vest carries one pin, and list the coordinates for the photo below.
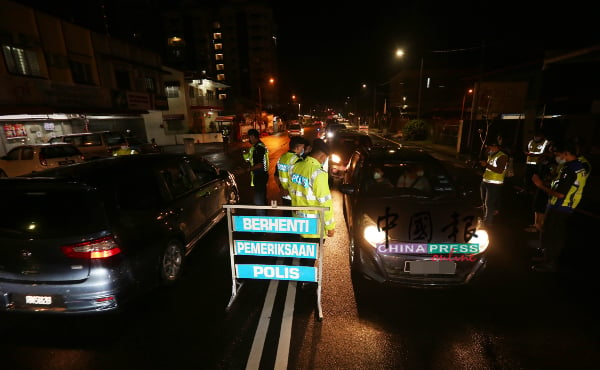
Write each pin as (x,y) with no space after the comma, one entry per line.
(490,176)
(309,187)
(250,158)
(573,195)
(284,164)
(535,150)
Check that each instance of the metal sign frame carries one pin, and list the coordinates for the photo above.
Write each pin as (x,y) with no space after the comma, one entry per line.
(236,284)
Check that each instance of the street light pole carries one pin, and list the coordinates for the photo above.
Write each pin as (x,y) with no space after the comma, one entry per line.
(420,91)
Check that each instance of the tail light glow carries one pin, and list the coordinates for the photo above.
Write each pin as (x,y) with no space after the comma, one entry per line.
(93,249)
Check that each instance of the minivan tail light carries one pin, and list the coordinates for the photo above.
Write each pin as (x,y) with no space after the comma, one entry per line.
(93,249)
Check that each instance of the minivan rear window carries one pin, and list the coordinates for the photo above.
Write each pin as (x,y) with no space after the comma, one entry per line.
(60,151)
(48,213)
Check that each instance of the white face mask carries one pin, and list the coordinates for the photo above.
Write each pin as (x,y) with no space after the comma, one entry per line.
(301,153)
(420,173)
(559,160)
(377,175)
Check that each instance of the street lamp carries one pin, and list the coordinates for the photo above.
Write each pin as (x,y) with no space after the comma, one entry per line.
(460,123)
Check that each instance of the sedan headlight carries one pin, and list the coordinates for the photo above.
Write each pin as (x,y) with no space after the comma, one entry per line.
(335,158)
(482,238)
(371,233)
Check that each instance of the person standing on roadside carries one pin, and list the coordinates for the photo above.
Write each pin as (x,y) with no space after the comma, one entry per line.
(258,157)
(536,148)
(282,170)
(492,180)
(564,195)
(309,187)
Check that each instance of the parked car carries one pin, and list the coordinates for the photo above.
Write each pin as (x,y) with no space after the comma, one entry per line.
(406,234)
(295,129)
(37,157)
(103,144)
(341,147)
(90,237)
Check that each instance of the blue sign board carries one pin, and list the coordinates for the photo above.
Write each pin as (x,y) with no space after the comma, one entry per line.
(264,224)
(276,272)
(275,249)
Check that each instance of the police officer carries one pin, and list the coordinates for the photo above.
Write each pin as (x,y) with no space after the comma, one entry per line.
(492,181)
(564,196)
(309,187)
(258,157)
(537,147)
(284,164)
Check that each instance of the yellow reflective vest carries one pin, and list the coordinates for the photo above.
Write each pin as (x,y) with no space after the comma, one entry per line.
(284,164)
(249,157)
(490,176)
(309,187)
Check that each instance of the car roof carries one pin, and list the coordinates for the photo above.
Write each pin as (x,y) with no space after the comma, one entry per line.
(399,153)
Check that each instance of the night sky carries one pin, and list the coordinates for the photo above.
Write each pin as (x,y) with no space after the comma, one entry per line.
(327,49)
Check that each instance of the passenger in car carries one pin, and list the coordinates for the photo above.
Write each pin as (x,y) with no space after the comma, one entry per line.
(379,180)
(413,177)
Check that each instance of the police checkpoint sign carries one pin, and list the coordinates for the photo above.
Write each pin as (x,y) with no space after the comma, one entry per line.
(277,272)
(295,225)
(276,249)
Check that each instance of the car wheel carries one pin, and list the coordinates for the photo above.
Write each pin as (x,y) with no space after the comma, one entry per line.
(171,262)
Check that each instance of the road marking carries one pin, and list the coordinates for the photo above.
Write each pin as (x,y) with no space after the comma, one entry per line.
(285,332)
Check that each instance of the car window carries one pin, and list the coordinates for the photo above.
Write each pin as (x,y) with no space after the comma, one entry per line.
(27,153)
(89,140)
(53,212)
(59,151)
(13,155)
(115,138)
(178,179)
(204,172)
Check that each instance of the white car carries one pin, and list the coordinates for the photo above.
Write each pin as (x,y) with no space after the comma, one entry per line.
(28,158)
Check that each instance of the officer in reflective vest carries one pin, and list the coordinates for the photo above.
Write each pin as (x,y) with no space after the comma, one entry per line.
(492,181)
(536,148)
(284,164)
(258,157)
(309,187)
(564,194)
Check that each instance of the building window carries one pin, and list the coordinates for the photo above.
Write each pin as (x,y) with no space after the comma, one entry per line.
(21,61)
(220,67)
(81,72)
(217,36)
(149,83)
(122,78)
(172,91)
(219,46)
(221,77)
(219,56)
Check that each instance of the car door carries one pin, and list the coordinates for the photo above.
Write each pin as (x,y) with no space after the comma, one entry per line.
(18,161)
(212,187)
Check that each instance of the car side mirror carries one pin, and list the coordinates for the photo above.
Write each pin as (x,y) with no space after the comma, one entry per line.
(347,189)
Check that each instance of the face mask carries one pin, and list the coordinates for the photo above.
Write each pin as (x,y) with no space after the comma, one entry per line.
(559,160)
(420,173)
(301,153)
(377,175)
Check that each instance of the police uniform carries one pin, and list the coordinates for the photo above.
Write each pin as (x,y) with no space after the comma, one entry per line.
(309,187)
(284,165)
(259,153)
(491,184)
(570,181)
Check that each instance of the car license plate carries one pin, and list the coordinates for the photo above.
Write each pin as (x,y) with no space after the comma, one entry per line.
(38,300)
(430,267)
(64,163)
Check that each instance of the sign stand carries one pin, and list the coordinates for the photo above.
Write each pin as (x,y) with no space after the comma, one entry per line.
(291,248)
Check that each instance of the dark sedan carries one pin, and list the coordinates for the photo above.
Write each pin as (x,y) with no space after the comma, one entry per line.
(410,224)
(89,237)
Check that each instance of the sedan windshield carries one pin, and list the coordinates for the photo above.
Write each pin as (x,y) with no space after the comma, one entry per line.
(406,178)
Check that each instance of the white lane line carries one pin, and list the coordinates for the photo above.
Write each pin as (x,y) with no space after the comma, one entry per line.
(263,326)
(285,334)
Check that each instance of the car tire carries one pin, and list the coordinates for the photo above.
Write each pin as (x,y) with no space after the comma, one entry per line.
(234,196)
(171,262)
